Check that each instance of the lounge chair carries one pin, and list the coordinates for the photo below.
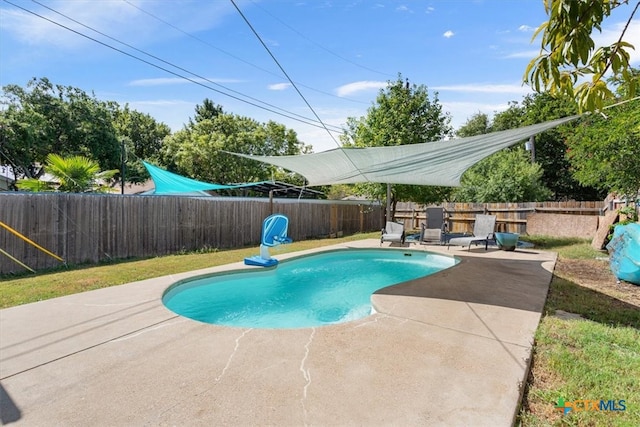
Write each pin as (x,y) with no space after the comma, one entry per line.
(483,230)
(435,228)
(392,232)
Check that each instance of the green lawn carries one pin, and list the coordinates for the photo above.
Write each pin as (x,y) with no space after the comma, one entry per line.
(23,289)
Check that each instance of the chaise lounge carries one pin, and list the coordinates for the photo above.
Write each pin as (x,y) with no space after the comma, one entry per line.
(483,230)
(435,228)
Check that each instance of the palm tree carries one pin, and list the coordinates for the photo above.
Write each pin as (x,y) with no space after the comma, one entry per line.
(74,174)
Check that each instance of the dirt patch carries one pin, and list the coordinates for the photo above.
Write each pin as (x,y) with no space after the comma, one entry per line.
(596,275)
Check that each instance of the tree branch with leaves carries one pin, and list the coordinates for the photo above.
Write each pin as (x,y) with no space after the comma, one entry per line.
(569,62)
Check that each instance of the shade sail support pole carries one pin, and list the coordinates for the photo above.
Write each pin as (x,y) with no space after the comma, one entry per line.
(388,202)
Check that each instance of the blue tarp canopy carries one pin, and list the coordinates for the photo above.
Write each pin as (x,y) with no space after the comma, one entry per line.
(170,183)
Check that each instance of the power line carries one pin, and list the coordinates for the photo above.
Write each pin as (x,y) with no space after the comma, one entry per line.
(237,57)
(290,115)
(283,71)
(297,90)
(318,44)
(166,62)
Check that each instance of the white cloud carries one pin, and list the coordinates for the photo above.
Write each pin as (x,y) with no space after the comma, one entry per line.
(174,113)
(527,54)
(117,19)
(403,8)
(526,28)
(430,9)
(279,86)
(463,111)
(355,87)
(516,89)
(448,34)
(611,34)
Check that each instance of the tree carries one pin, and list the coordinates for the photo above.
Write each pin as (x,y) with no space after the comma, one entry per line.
(604,151)
(550,147)
(506,176)
(198,149)
(143,137)
(402,114)
(478,124)
(46,118)
(568,53)
(74,174)
(207,111)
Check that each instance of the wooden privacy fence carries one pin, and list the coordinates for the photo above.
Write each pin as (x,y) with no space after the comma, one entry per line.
(510,217)
(91,227)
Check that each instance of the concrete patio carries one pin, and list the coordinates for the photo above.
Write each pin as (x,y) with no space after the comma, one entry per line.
(449,349)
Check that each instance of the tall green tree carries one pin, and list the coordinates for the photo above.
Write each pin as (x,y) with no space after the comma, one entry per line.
(570,63)
(550,146)
(198,150)
(143,137)
(402,114)
(45,118)
(478,124)
(73,174)
(506,176)
(208,110)
(604,150)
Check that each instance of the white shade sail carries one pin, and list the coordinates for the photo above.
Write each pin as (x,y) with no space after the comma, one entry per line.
(439,163)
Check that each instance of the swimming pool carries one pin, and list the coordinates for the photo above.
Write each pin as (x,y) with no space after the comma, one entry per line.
(320,289)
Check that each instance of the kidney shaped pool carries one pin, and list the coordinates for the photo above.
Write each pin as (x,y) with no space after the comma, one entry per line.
(313,290)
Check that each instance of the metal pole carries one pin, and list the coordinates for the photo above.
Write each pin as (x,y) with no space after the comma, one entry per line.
(532,147)
(123,156)
(389,202)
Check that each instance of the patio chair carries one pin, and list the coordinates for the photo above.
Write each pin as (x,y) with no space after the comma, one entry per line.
(392,232)
(434,229)
(483,230)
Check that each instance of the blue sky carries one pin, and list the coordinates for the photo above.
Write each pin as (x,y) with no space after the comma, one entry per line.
(473,53)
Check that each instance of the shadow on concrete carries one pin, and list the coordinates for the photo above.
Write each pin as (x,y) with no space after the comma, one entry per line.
(9,412)
(517,284)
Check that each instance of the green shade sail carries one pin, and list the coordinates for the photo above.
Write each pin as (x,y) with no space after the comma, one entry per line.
(439,163)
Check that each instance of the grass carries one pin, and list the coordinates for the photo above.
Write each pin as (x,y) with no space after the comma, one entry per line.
(23,289)
(568,248)
(594,357)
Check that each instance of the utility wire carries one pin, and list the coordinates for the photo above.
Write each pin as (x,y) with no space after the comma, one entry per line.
(168,63)
(318,44)
(283,71)
(157,18)
(307,121)
(294,85)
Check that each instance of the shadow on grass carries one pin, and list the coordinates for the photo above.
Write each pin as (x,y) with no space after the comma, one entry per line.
(552,242)
(592,305)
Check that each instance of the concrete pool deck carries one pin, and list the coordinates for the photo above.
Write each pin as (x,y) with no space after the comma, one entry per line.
(448,349)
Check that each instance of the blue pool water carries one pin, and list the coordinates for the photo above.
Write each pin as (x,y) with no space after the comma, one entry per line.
(321,289)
